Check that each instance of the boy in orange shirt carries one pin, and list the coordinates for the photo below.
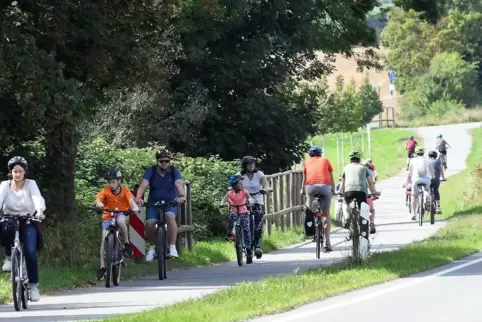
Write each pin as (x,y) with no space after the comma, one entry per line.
(111,197)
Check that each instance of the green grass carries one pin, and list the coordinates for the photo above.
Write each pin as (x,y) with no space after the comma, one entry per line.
(457,239)
(456,117)
(388,149)
(204,253)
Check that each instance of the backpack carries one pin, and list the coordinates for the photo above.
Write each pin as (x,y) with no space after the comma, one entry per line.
(7,232)
(421,165)
(153,173)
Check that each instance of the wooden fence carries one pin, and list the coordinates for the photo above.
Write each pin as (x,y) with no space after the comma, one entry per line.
(283,207)
(185,227)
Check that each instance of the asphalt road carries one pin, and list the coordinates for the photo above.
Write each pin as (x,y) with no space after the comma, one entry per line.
(395,229)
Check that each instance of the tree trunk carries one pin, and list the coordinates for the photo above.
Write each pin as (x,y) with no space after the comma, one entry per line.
(61,153)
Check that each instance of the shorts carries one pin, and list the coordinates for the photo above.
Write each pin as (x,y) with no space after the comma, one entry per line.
(410,154)
(319,189)
(359,196)
(424,181)
(443,152)
(152,213)
(106,223)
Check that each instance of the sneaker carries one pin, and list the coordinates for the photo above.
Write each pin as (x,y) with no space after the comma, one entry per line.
(439,210)
(173,251)
(128,249)
(7,265)
(101,273)
(249,260)
(258,252)
(150,254)
(34,294)
(328,248)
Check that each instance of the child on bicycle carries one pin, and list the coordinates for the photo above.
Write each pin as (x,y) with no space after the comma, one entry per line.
(111,197)
(238,198)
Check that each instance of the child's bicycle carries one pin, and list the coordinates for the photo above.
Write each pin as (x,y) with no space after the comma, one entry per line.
(113,248)
(252,223)
(237,236)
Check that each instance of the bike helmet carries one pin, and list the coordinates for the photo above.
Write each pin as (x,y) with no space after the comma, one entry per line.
(315,150)
(433,154)
(113,174)
(419,150)
(411,137)
(17,160)
(355,155)
(247,160)
(233,180)
(439,136)
(163,152)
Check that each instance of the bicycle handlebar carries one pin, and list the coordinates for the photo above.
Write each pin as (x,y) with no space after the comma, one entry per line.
(31,217)
(161,203)
(116,211)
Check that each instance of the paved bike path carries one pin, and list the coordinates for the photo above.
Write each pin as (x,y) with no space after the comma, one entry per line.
(395,229)
(401,300)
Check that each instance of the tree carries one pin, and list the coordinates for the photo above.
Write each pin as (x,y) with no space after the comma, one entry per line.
(60,59)
(369,101)
(431,10)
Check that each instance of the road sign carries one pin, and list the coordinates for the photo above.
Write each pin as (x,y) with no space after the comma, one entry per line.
(392,76)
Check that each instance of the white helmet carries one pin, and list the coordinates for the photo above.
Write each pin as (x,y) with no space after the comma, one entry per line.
(17,160)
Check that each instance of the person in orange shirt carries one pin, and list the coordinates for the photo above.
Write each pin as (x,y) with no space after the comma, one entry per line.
(318,179)
(111,197)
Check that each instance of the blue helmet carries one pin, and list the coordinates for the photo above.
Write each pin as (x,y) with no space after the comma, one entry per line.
(439,136)
(233,180)
(315,150)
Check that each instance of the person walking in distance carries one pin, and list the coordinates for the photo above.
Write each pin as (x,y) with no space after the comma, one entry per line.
(318,179)
(165,183)
(410,146)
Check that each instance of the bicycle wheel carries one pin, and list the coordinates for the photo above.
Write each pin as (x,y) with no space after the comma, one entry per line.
(116,268)
(318,238)
(252,229)
(16,280)
(355,233)
(238,244)
(432,208)
(420,208)
(109,247)
(161,251)
(25,287)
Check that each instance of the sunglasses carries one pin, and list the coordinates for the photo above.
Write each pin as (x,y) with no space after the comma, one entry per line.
(164,161)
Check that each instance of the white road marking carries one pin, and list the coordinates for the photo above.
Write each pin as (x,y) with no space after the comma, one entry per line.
(417,280)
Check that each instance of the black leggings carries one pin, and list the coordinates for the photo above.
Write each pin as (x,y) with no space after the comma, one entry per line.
(436,185)
(359,196)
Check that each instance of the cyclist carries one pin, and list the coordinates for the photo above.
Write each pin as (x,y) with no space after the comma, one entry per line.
(318,179)
(356,181)
(237,195)
(369,163)
(21,196)
(441,147)
(114,196)
(369,201)
(438,172)
(253,181)
(410,146)
(420,172)
(165,183)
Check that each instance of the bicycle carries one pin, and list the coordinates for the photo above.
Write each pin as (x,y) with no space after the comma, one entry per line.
(113,248)
(424,205)
(319,224)
(19,274)
(359,228)
(162,246)
(252,223)
(443,158)
(238,236)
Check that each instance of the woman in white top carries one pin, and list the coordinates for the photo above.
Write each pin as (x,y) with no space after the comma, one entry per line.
(254,181)
(420,173)
(21,196)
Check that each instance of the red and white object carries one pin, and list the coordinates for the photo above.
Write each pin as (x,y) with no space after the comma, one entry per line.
(136,231)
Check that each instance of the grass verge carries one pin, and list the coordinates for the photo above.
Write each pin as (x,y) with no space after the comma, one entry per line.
(204,253)
(457,239)
(388,149)
(455,117)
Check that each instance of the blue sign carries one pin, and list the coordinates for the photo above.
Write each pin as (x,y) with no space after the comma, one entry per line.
(391,76)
